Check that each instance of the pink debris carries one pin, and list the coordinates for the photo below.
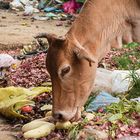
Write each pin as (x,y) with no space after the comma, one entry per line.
(71,6)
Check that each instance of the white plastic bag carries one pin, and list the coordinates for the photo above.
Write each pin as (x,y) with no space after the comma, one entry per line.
(28,10)
(120,81)
(6,60)
(112,81)
(102,80)
(16,4)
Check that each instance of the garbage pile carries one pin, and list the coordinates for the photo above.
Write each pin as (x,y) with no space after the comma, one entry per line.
(103,117)
(31,72)
(49,9)
(106,115)
(44,9)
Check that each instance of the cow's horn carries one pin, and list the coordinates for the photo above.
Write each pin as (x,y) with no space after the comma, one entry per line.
(50,37)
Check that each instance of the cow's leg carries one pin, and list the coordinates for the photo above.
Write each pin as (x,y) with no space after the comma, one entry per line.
(120,40)
(127,37)
(124,37)
(117,42)
(136,31)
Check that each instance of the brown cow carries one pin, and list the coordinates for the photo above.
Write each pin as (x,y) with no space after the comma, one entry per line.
(73,59)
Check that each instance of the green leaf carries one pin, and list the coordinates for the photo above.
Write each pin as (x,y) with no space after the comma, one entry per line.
(138,107)
(115,117)
(82,1)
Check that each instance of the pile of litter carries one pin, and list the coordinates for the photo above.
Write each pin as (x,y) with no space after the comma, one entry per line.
(31,72)
(114,118)
(50,9)
(105,116)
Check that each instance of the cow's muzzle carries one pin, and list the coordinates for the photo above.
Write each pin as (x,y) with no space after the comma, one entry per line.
(67,116)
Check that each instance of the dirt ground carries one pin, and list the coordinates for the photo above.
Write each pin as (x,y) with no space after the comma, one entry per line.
(15,30)
(5,133)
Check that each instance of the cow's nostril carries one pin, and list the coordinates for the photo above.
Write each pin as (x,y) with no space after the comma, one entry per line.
(58,116)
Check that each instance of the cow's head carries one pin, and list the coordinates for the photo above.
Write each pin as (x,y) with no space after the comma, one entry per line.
(72,70)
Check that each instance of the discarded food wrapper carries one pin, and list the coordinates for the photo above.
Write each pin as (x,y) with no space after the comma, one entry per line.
(102,99)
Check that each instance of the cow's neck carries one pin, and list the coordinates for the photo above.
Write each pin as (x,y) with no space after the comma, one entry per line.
(98,24)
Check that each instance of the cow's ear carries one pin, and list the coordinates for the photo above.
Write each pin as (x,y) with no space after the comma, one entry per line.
(82,53)
(49,37)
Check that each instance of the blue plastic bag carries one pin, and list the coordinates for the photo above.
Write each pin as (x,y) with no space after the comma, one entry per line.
(49,9)
(102,99)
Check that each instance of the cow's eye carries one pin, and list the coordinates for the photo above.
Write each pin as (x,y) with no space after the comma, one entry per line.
(65,70)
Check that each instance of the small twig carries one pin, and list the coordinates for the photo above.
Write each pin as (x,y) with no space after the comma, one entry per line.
(51,1)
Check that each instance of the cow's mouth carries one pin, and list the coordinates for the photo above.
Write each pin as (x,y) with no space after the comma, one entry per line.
(77,115)
(63,116)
